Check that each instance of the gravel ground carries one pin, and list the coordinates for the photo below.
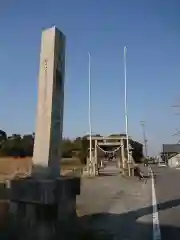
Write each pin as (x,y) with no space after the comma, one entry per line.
(120,207)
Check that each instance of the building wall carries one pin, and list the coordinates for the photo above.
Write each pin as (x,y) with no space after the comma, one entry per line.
(174,161)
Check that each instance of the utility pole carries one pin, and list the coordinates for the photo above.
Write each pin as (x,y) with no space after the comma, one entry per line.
(126,111)
(177,130)
(144,137)
(91,165)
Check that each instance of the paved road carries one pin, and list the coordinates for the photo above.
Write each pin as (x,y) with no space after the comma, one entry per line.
(167,186)
(117,205)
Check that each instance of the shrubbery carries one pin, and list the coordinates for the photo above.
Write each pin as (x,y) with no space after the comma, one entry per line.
(22,146)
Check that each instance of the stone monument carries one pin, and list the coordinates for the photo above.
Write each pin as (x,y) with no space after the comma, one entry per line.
(50,105)
(46,201)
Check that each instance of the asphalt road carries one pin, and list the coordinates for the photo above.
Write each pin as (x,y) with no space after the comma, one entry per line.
(120,207)
(167,186)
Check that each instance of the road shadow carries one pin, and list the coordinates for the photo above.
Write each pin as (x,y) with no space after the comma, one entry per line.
(101,174)
(109,226)
(130,226)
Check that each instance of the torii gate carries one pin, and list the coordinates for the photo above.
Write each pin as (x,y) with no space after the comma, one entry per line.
(92,164)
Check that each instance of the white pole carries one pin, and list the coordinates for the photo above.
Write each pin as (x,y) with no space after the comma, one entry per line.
(126,111)
(89,114)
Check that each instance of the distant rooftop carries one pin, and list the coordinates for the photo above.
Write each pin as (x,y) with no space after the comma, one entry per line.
(171,148)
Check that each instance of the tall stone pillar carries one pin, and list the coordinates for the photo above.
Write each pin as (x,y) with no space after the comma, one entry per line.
(46,199)
(49,123)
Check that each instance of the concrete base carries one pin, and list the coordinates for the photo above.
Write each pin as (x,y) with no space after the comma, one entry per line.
(44,209)
(125,171)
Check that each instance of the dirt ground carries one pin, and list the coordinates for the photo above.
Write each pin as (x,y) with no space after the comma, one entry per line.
(10,166)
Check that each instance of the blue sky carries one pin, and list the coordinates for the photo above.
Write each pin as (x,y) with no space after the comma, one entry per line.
(150,30)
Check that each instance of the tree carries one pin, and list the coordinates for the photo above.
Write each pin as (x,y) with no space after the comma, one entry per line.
(22,146)
(27,144)
(11,146)
(84,149)
(137,151)
(3,136)
(67,146)
(17,146)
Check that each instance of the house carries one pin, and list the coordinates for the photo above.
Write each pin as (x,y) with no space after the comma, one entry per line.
(174,161)
(171,154)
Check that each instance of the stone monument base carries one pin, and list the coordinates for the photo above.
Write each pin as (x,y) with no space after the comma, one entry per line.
(44,209)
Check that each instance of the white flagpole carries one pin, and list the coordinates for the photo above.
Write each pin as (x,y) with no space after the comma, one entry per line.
(126,110)
(89,114)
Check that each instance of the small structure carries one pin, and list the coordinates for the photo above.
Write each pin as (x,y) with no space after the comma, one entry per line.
(171,154)
(45,203)
(174,161)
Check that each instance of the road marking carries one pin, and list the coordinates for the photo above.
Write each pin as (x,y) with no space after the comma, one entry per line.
(156,227)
